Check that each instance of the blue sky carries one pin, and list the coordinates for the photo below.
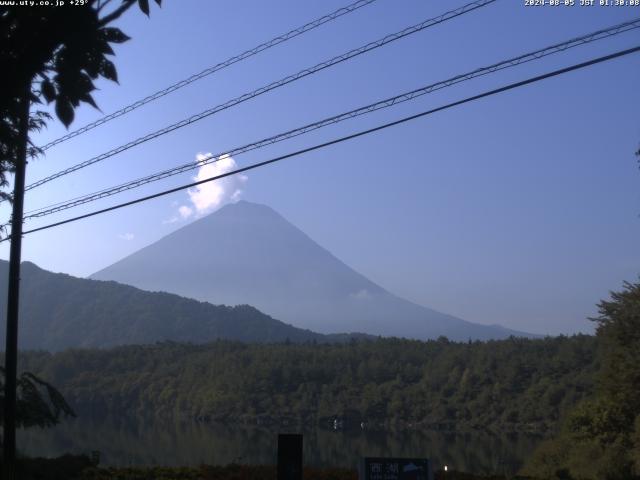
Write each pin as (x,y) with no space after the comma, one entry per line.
(520,209)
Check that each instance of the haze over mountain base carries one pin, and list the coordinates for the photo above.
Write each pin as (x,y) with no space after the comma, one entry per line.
(58,311)
(246,253)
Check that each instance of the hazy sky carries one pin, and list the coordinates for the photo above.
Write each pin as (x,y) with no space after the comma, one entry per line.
(520,209)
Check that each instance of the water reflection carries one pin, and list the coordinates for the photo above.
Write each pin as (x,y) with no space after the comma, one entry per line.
(124,442)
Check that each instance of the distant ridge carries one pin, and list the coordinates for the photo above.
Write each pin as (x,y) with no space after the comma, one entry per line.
(246,253)
(59,311)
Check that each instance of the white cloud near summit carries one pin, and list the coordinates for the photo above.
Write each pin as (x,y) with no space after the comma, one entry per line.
(210,196)
(185,212)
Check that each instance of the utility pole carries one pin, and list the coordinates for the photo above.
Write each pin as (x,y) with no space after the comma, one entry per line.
(13,297)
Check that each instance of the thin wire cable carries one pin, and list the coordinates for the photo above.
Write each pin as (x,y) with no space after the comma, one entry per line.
(215,68)
(386,103)
(279,83)
(505,88)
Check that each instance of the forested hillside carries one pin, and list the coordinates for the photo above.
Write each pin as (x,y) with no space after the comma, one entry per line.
(59,311)
(515,384)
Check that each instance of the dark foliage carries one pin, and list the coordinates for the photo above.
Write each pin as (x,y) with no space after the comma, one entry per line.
(67,467)
(601,437)
(205,472)
(246,472)
(514,384)
(55,54)
(38,403)
(70,467)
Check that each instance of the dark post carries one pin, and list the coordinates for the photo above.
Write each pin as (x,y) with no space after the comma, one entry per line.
(11,350)
(290,456)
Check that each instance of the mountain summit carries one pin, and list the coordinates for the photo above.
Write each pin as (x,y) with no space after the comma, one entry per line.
(246,253)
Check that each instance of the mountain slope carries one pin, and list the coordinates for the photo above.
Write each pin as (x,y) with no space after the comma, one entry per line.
(58,311)
(247,253)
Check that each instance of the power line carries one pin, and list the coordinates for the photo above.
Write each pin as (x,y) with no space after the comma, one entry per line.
(386,103)
(215,68)
(279,83)
(345,138)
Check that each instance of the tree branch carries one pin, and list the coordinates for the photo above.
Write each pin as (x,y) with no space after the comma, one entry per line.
(102,4)
(117,13)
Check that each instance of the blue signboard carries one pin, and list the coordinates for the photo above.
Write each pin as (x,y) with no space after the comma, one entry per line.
(374,468)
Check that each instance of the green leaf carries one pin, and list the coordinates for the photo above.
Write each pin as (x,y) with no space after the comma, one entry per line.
(64,111)
(104,47)
(144,6)
(83,83)
(89,99)
(48,90)
(108,70)
(92,65)
(114,35)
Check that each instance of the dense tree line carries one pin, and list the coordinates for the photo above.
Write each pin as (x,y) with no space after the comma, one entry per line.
(600,437)
(515,384)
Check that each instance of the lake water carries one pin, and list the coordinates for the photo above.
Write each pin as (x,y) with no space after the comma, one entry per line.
(142,442)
